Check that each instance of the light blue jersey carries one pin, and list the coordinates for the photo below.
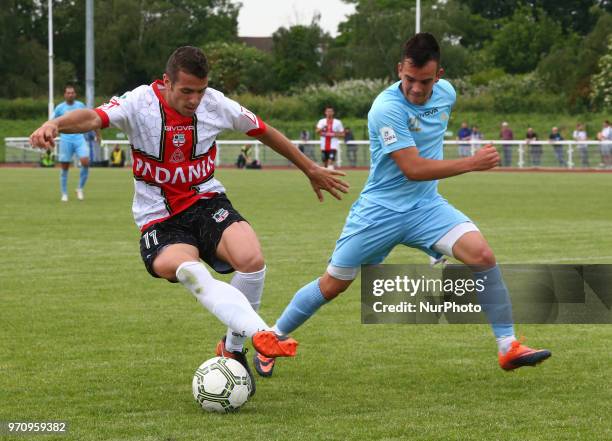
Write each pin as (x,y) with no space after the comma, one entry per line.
(394,124)
(392,209)
(62,109)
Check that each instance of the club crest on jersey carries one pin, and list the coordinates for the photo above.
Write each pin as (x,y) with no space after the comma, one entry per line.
(414,125)
(177,156)
(220,215)
(178,140)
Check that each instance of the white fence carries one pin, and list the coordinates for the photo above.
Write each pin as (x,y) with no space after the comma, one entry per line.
(518,154)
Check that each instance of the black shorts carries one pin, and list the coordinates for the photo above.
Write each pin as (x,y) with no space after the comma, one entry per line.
(201,225)
(328,155)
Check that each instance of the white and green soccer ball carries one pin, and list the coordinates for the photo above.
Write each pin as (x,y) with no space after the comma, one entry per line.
(221,385)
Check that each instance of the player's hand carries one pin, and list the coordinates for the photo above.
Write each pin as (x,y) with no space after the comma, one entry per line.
(486,158)
(325,179)
(44,136)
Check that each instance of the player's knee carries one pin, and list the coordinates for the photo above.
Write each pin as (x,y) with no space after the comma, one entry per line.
(483,257)
(249,262)
(164,268)
(166,264)
(85,162)
(331,287)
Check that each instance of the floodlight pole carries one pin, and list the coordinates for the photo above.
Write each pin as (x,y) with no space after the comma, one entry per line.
(50,30)
(418,16)
(89,54)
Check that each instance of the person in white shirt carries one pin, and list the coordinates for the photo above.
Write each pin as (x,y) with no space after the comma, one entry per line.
(581,135)
(331,130)
(605,136)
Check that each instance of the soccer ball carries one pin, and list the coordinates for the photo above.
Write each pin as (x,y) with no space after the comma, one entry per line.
(221,385)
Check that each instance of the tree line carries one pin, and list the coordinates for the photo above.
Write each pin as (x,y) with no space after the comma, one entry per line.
(555,46)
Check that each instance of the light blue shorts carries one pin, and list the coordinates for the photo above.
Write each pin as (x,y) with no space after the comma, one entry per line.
(371,231)
(69,147)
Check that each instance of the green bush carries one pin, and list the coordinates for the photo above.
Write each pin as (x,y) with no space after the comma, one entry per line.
(351,98)
(506,94)
(23,108)
(485,77)
(274,106)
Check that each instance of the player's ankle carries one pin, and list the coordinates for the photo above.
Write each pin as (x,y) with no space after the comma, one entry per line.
(505,343)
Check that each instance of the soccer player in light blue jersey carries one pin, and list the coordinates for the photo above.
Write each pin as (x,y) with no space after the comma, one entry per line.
(400,203)
(72,144)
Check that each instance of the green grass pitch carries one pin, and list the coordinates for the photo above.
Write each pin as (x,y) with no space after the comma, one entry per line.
(87,336)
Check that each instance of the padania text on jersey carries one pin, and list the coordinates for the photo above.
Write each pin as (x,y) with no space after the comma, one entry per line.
(181,174)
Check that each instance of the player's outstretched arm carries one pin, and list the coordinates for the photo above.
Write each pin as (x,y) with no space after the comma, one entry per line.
(320,178)
(417,168)
(77,121)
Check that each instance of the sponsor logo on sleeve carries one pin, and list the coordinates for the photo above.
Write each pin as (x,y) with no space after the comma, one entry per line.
(388,135)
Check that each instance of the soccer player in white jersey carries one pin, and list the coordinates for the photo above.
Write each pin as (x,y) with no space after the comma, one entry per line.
(400,204)
(179,206)
(330,130)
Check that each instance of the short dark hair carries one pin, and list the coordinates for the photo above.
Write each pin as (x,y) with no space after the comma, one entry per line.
(190,60)
(69,86)
(421,49)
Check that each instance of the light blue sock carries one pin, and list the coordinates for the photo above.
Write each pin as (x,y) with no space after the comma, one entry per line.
(83,176)
(495,302)
(304,304)
(64,181)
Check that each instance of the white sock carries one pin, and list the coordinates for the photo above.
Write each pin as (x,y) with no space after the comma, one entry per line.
(251,285)
(223,300)
(504,343)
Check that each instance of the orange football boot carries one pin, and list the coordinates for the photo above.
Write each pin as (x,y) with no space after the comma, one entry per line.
(263,365)
(269,344)
(520,355)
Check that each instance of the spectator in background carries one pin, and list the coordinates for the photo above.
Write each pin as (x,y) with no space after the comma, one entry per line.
(476,136)
(605,136)
(93,140)
(308,148)
(464,134)
(506,135)
(558,148)
(47,159)
(244,157)
(117,157)
(579,135)
(330,129)
(535,150)
(304,138)
(351,147)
